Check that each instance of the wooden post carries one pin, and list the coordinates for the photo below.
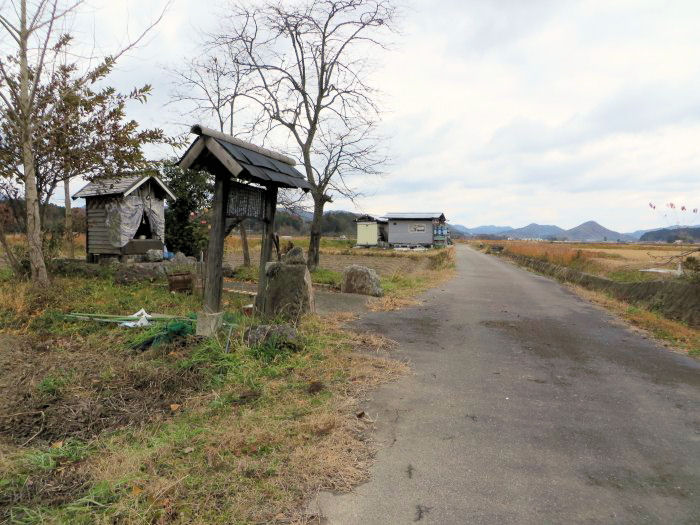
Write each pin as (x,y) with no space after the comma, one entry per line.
(215,254)
(88,256)
(267,240)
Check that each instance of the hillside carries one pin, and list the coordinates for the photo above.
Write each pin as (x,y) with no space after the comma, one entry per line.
(672,234)
(488,230)
(591,231)
(538,231)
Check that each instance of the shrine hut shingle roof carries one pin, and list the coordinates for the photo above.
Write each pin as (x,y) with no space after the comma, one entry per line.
(119,186)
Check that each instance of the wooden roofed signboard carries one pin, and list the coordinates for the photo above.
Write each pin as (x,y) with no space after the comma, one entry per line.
(245,202)
(233,162)
(217,152)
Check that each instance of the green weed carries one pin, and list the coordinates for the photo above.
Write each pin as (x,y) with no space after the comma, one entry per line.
(325,276)
(71,451)
(630,276)
(53,385)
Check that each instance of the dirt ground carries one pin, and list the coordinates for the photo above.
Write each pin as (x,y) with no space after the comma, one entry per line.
(85,393)
(384,266)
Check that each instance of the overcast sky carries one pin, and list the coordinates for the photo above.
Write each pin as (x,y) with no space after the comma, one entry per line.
(499,112)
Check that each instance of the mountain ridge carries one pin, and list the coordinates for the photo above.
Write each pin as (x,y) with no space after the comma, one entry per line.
(589,231)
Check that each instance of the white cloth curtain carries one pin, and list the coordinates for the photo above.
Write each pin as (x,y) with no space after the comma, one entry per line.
(124,215)
(155,211)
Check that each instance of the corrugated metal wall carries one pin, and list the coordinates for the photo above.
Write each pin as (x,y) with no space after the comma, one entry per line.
(410,232)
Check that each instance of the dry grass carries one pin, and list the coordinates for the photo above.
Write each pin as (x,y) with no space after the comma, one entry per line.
(376,343)
(561,254)
(389,303)
(401,290)
(19,239)
(677,336)
(331,246)
(257,463)
(250,444)
(621,262)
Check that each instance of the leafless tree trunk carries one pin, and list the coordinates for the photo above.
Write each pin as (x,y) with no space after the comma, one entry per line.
(36,254)
(311,62)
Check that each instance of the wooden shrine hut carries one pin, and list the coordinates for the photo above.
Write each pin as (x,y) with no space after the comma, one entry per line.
(125,216)
(247,179)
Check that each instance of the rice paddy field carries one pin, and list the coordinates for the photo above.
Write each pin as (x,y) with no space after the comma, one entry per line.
(620,262)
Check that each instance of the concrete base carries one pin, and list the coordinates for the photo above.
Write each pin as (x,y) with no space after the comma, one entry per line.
(209,323)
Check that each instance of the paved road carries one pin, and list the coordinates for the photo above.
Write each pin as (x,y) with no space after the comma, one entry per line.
(528,405)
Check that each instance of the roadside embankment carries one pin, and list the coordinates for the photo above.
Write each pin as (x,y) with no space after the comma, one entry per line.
(673,299)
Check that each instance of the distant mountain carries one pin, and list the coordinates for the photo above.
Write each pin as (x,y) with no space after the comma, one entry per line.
(339,222)
(538,231)
(591,231)
(638,233)
(686,233)
(458,230)
(486,230)
(305,215)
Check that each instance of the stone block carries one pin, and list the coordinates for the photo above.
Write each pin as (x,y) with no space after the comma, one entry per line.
(361,280)
(209,323)
(154,255)
(288,292)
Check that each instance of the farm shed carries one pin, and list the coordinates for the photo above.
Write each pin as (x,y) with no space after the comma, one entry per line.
(417,229)
(370,230)
(125,216)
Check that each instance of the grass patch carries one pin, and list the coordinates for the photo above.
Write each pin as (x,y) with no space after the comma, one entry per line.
(627,275)
(325,276)
(53,385)
(319,275)
(99,427)
(401,289)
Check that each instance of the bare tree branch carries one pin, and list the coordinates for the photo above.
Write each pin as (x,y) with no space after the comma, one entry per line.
(310,62)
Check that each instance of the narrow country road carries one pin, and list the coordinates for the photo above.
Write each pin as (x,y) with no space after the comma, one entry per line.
(527,405)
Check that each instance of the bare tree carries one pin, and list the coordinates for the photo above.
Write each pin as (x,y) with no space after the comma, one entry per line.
(311,63)
(216,85)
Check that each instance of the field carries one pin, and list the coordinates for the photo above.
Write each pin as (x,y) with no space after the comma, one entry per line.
(619,262)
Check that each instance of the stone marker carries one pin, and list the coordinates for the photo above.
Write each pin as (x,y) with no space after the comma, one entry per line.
(227,270)
(181,258)
(288,292)
(294,256)
(361,280)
